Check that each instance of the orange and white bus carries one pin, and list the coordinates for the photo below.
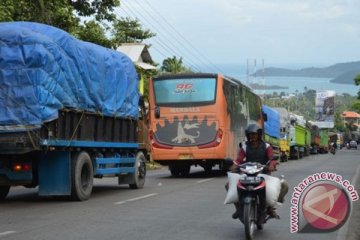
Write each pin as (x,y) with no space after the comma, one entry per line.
(199,119)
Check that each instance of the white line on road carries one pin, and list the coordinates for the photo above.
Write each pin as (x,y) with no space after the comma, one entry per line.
(137,198)
(205,180)
(7,233)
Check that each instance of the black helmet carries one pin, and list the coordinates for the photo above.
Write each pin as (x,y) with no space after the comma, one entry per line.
(253,128)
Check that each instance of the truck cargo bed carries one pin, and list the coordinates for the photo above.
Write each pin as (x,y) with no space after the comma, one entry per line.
(71,126)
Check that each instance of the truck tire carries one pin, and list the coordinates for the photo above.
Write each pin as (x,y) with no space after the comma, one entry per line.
(4,190)
(140,171)
(82,176)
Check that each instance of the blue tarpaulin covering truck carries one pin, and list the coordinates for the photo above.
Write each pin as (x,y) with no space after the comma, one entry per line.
(272,129)
(69,112)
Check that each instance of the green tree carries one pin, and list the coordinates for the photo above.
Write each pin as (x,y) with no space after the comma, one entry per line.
(93,32)
(357,82)
(356,106)
(174,65)
(101,9)
(338,122)
(127,30)
(58,13)
(63,14)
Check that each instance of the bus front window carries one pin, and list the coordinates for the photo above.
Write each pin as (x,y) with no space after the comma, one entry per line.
(198,91)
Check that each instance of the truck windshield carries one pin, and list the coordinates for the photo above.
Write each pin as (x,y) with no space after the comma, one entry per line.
(185,91)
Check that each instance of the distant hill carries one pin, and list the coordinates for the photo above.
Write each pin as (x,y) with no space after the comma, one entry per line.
(340,73)
(346,77)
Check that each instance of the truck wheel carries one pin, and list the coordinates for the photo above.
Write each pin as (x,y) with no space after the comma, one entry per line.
(82,174)
(4,190)
(140,171)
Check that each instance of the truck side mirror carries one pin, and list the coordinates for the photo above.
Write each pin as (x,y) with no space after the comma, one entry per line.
(265,116)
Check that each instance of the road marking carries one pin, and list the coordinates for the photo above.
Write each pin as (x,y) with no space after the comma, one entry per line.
(7,233)
(205,180)
(135,199)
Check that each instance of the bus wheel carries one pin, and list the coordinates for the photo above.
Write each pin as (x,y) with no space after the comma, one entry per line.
(82,174)
(175,172)
(185,170)
(208,168)
(140,171)
(4,190)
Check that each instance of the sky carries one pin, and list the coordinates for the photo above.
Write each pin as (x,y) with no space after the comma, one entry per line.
(278,33)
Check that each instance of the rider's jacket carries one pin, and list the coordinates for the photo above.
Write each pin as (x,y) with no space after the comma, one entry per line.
(262,154)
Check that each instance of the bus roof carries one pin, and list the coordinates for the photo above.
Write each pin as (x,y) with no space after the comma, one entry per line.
(202,75)
(186,75)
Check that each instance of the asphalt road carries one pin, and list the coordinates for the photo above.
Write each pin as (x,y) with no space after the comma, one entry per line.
(167,208)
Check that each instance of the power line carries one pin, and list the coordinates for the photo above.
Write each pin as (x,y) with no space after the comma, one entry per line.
(190,52)
(179,34)
(172,49)
(164,45)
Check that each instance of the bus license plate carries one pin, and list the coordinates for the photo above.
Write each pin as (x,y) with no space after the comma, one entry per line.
(185,156)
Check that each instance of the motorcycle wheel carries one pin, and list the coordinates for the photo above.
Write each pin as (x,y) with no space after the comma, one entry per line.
(249,221)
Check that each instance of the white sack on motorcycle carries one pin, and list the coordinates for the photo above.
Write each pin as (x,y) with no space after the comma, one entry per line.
(273,187)
(232,195)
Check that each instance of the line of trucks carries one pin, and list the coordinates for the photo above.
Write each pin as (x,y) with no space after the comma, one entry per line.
(291,136)
(69,113)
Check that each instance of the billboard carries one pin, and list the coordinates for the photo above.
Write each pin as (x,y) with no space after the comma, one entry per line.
(325,109)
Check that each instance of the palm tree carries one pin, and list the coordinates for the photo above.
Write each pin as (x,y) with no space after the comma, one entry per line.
(173,65)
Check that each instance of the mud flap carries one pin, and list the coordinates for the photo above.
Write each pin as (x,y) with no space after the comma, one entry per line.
(54,173)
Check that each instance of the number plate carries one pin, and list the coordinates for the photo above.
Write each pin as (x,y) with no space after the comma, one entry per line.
(249,180)
(185,156)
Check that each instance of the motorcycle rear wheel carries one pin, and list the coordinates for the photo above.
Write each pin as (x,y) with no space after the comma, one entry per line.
(249,220)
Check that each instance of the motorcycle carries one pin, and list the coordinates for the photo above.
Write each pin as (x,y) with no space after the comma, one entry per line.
(252,197)
(332,149)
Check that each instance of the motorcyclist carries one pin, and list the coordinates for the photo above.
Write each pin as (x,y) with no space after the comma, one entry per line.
(256,150)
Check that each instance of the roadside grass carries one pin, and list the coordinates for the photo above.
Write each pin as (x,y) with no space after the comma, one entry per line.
(151,165)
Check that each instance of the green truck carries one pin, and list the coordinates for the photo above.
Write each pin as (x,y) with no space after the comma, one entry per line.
(307,140)
(324,140)
(297,141)
(297,136)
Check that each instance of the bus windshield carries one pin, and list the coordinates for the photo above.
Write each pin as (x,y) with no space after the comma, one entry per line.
(184,91)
